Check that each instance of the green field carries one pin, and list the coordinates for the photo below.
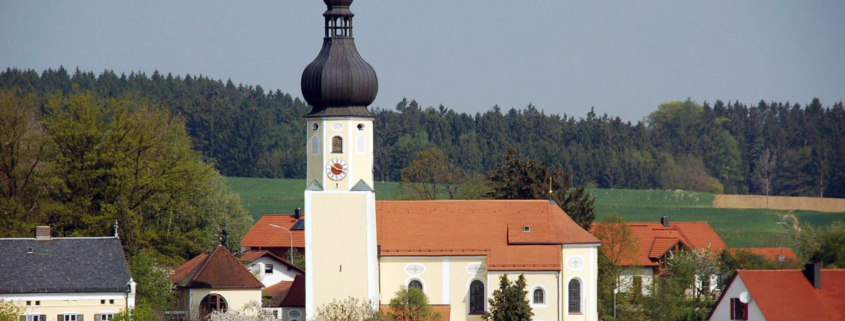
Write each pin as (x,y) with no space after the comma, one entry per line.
(738,228)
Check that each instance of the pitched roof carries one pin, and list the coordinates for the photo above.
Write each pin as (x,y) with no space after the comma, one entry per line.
(264,235)
(296,295)
(277,293)
(788,295)
(770,253)
(63,265)
(218,269)
(250,256)
(494,228)
(653,240)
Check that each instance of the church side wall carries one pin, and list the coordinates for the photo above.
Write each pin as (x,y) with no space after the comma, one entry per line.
(547,281)
(587,275)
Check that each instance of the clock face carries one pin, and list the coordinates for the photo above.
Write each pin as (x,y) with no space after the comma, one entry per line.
(336,169)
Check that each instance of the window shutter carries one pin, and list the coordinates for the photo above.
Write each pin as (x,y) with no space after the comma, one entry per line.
(80,317)
(61,317)
(733,302)
(43,317)
(23,318)
(96,317)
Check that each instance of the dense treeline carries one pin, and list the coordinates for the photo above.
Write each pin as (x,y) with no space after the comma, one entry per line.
(778,148)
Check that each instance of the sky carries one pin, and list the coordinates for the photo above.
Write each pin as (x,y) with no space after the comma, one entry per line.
(623,58)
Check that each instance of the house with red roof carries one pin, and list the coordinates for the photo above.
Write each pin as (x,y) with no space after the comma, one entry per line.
(276,234)
(656,242)
(214,281)
(780,295)
(269,268)
(781,254)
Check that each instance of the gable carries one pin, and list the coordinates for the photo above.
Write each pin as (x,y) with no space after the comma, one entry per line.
(218,269)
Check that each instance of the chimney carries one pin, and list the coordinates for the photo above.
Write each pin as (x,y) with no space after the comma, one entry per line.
(42,233)
(665,221)
(296,213)
(813,272)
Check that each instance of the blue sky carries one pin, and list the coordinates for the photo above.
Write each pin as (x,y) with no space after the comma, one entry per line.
(622,57)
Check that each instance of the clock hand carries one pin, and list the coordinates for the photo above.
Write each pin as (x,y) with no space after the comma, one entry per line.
(337,167)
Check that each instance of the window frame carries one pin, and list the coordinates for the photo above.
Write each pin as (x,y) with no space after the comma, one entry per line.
(339,139)
(580,298)
(411,281)
(543,297)
(70,316)
(268,268)
(35,317)
(482,300)
(736,306)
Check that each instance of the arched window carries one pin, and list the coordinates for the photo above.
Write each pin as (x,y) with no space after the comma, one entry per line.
(415,284)
(574,296)
(211,303)
(315,145)
(337,145)
(476,297)
(539,296)
(361,144)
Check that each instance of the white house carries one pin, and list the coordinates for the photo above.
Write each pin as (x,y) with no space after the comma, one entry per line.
(269,268)
(809,294)
(65,278)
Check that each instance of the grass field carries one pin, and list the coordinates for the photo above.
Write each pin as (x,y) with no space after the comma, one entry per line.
(737,227)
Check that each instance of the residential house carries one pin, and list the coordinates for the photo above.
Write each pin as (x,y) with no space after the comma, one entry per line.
(656,243)
(274,233)
(782,254)
(65,278)
(269,268)
(214,281)
(781,295)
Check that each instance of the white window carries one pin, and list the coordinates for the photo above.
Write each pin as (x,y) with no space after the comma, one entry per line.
(70,317)
(268,268)
(315,145)
(36,317)
(106,317)
(361,144)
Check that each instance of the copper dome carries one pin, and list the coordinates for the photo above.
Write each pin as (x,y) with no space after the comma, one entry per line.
(339,82)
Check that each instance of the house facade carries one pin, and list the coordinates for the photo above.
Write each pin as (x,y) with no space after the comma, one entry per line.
(269,268)
(65,278)
(775,295)
(276,234)
(656,243)
(214,281)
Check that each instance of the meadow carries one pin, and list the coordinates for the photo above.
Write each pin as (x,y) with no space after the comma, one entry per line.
(737,227)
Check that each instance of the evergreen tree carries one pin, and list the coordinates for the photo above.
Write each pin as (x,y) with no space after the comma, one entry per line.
(509,301)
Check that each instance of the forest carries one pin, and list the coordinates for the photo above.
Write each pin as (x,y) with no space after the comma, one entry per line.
(774,148)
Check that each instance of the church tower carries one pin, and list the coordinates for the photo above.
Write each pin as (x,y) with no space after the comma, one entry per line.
(340,229)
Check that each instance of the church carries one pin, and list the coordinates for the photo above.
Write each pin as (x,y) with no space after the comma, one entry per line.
(455,251)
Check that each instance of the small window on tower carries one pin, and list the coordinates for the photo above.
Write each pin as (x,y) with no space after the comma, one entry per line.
(337,145)
(314,126)
(315,145)
(361,127)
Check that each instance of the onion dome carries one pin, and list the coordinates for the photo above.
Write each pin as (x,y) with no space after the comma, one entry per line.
(339,82)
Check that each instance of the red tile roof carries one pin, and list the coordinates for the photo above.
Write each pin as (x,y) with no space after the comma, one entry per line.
(434,228)
(296,294)
(277,293)
(250,256)
(653,240)
(788,295)
(493,228)
(770,253)
(263,235)
(218,269)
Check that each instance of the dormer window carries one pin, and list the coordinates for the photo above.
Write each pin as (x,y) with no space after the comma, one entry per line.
(526,228)
(29,250)
(268,268)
